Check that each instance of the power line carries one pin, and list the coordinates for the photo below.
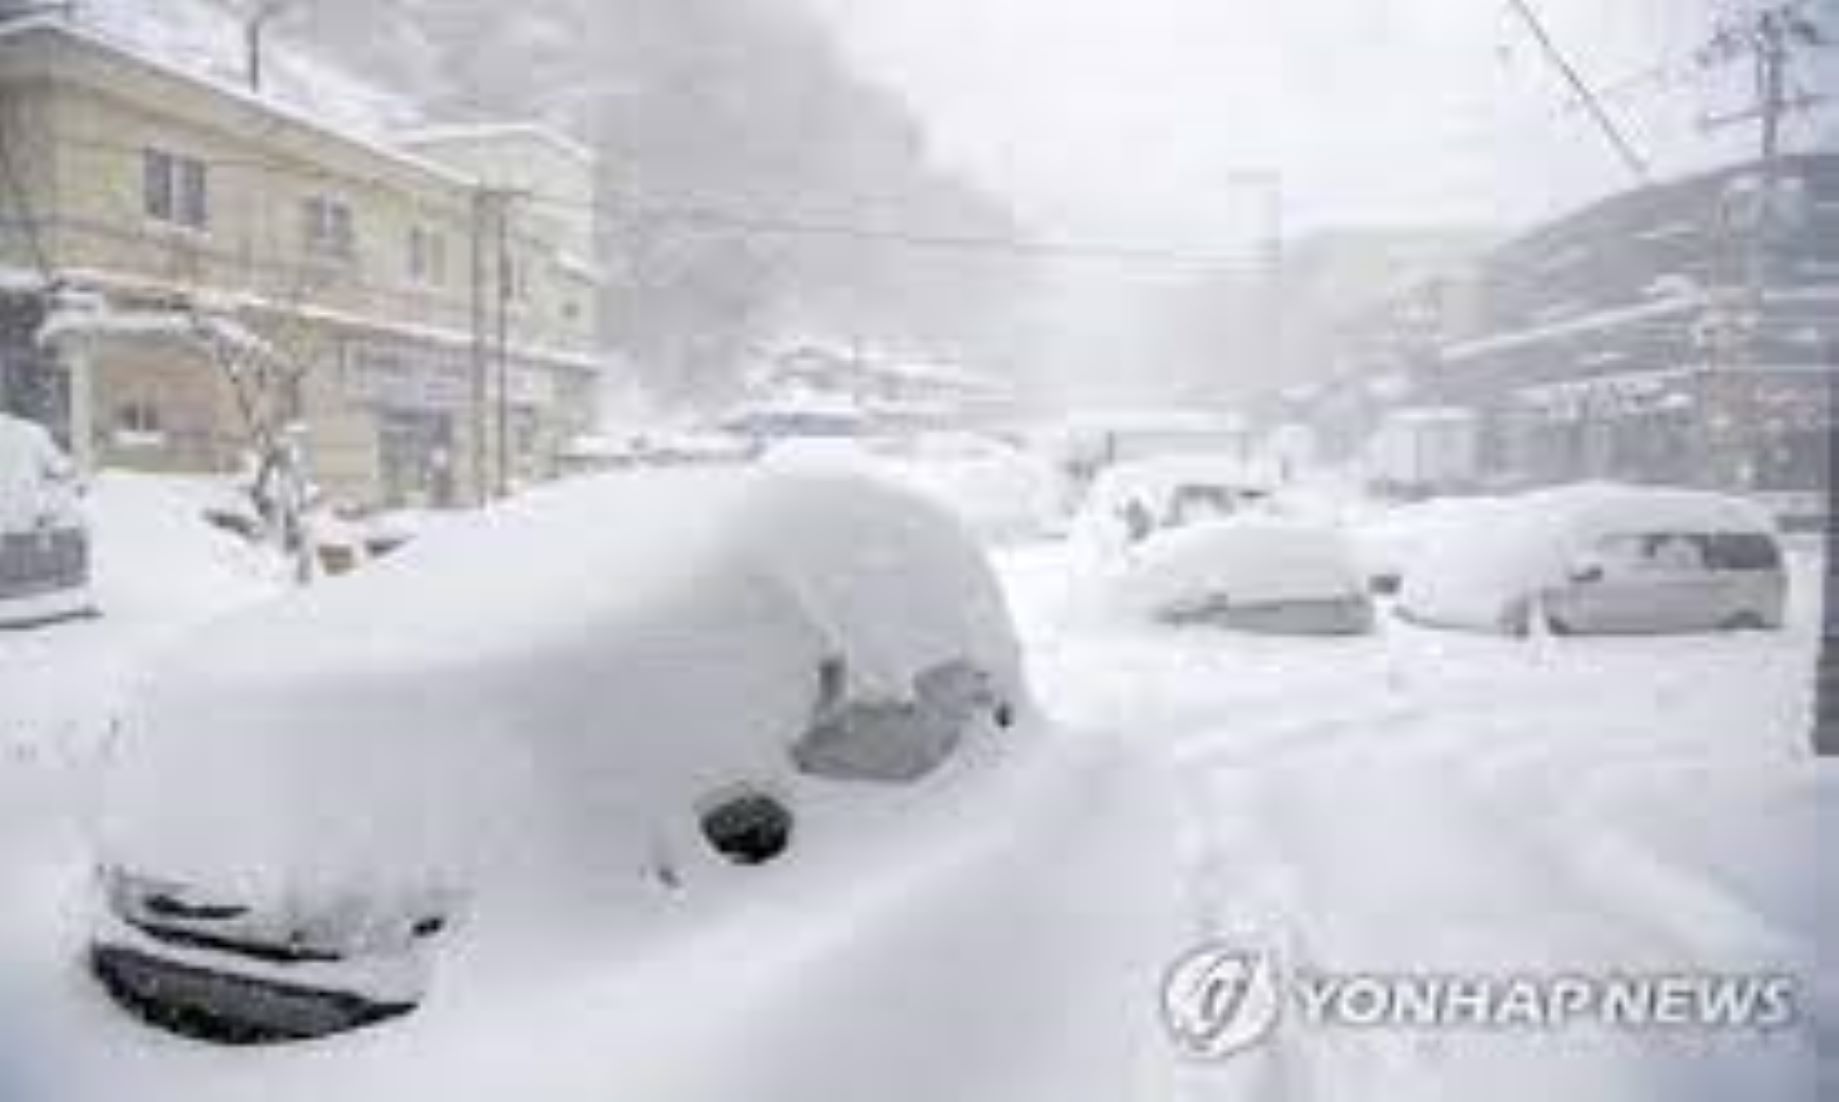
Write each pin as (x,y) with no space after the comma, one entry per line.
(1586,95)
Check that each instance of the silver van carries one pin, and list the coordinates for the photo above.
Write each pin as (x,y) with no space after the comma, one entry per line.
(1672,581)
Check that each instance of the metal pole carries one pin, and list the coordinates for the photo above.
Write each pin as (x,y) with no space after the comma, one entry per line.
(503,206)
(480,203)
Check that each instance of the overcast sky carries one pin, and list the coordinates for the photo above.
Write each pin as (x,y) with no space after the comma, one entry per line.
(1125,121)
(1129,116)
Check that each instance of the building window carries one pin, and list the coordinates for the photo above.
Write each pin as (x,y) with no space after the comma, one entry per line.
(514,275)
(137,424)
(329,228)
(427,257)
(175,189)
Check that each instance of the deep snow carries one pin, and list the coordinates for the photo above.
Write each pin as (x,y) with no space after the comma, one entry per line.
(1411,800)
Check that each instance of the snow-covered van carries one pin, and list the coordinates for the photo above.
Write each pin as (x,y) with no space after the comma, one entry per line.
(1603,559)
(44,541)
(609,697)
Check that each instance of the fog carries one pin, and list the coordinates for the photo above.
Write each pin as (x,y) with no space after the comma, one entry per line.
(933,144)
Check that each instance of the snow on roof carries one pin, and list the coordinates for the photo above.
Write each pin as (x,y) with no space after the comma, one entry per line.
(361,129)
(1592,510)
(203,40)
(1594,322)
(475,133)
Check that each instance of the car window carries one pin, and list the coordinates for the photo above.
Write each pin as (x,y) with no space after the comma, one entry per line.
(887,740)
(1193,504)
(1743,551)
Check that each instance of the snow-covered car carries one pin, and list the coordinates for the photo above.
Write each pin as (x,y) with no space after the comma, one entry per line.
(1604,559)
(1001,493)
(1248,573)
(1131,502)
(606,695)
(44,539)
(1395,540)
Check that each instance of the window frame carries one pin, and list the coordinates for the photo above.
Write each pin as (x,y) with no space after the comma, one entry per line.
(175,189)
(329,227)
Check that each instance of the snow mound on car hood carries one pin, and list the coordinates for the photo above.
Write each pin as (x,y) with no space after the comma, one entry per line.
(546,682)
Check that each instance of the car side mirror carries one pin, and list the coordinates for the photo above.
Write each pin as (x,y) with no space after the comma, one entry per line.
(747,827)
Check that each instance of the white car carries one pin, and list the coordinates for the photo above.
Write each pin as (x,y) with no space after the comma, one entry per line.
(1250,573)
(599,697)
(1131,502)
(1603,559)
(44,539)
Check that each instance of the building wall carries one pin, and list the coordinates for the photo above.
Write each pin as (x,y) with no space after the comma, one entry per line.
(79,119)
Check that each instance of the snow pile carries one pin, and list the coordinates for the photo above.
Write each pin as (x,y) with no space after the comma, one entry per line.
(37,483)
(1395,541)
(1497,555)
(158,559)
(1248,561)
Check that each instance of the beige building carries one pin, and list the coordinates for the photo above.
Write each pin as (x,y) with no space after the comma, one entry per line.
(425,308)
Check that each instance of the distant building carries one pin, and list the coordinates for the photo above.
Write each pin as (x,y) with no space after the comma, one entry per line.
(156,197)
(1683,332)
(813,390)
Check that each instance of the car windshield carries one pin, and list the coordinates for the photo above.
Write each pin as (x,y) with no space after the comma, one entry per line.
(918,550)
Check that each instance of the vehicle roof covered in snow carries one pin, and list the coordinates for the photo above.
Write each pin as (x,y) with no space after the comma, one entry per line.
(619,643)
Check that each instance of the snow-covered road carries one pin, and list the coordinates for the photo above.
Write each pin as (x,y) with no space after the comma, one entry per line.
(1447,803)
(1413,801)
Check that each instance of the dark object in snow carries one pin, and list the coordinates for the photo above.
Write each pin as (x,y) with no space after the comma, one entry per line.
(748,828)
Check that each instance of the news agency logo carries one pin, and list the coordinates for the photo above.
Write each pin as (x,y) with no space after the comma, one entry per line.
(1224,998)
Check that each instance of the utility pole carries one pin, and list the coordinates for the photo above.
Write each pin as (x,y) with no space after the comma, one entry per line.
(1769,40)
(494,284)
(478,226)
(507,277)
(1757,211)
